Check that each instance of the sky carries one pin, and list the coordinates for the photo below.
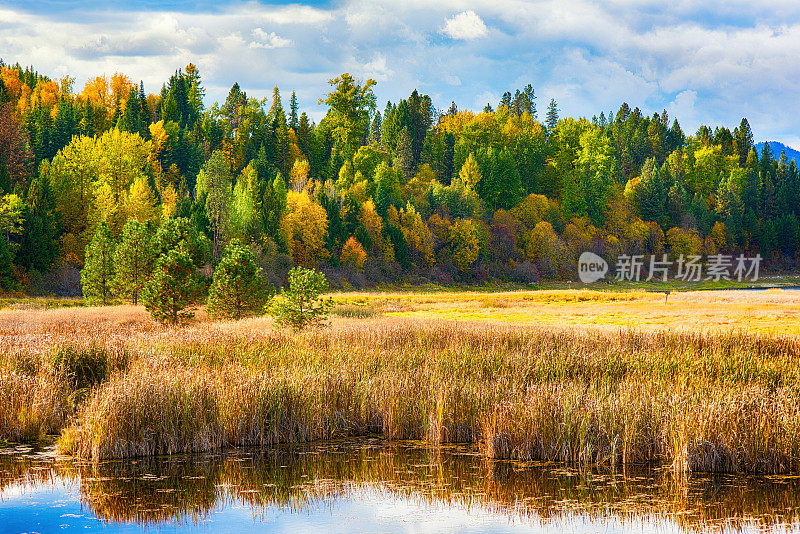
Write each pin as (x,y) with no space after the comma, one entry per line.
(705,62)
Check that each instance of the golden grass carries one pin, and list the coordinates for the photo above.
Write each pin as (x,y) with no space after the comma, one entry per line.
(772,311)
(699,401)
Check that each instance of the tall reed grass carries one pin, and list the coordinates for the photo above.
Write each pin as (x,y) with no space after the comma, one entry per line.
(724,402)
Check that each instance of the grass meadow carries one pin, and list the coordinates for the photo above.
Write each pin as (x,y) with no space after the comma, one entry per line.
(704,382)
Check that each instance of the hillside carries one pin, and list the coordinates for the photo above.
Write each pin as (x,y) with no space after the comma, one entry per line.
(777,148)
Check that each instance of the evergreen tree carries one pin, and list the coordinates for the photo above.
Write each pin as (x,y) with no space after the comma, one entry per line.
(131,120)
(174,287)
(405,157)
(98,270)
(65,125)
(743,137)
(182,234)
(293,108)
(552,115)
(505,101)
(301,305)
(238,289)
(133,260)
(6,266)
(652,194)
(87,125)
(375,129)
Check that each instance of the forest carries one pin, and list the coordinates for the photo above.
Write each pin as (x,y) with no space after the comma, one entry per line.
(401,193)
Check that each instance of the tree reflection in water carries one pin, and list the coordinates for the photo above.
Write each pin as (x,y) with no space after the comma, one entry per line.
(294,478)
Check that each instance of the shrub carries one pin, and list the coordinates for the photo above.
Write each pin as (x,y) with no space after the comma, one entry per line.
(301,305)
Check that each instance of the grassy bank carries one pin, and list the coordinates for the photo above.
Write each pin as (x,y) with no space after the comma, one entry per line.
(118,386)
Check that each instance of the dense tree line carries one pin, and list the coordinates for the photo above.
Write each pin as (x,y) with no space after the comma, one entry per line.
(400,193)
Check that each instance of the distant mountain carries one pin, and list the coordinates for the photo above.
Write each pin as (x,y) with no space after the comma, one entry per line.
(776,148)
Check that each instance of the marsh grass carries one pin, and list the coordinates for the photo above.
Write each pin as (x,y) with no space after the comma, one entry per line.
(699,401)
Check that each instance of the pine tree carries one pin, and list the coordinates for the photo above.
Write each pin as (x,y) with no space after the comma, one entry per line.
(98,270)
(87,124)
(675,137)
(743,136)
(375,129)
(552,115)
(293,108)
(238,289)
(301,305)
(405,157)
(505,100)
(131,120)
(174,287)
(133,260)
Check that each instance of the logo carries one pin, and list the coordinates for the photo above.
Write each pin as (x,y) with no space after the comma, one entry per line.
(591,267)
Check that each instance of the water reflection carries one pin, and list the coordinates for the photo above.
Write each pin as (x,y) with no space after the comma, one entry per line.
(291,481)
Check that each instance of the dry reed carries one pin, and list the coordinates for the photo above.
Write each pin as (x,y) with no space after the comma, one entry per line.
(701,401)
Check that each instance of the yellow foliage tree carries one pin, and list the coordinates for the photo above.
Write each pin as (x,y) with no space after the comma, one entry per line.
(684,242)
(373,224)
(169,202)
(141,204)
(298,178)
(547,250)
(532,210)
(418,236)
(464,244)
(470,173)
(719,236)
(304,227)
(91,179)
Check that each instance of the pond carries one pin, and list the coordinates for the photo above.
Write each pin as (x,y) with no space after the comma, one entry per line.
(372,486)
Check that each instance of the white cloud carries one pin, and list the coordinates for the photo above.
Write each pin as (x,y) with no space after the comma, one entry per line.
(269,40)
(377,68)
(712,63)
(467,25)
(683,107)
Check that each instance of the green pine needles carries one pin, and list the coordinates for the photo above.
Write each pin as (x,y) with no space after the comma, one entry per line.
(163,270)
(238,289)
(97,274)
(301,305)
(174,287)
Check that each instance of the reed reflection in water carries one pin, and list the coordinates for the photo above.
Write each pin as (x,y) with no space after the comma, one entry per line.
(369,483)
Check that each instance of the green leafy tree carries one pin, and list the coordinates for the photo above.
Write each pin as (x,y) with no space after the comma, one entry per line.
(215,180)
(301,305)
(133,260)
(238,289)
(98,270)
(174,287)
(348,116)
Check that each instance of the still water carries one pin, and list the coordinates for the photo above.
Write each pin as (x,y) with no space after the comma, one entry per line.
(371,486)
